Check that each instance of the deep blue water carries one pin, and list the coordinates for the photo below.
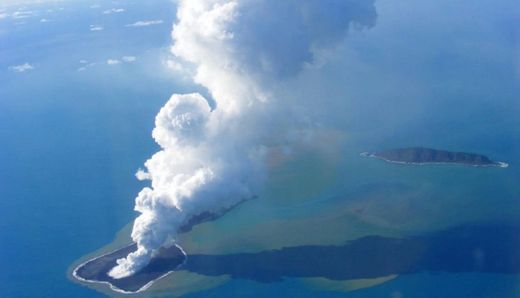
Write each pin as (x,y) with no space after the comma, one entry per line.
(70,141)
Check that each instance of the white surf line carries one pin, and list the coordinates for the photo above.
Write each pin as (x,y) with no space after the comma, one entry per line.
(116,289)
(499,164)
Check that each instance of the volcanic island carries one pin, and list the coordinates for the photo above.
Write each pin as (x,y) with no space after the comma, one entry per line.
(424,156)
(167,260)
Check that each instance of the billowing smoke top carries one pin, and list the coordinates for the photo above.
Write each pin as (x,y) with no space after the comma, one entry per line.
(182,121)
(211,159)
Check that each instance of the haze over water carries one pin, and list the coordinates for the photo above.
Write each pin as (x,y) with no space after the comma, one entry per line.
(429,73)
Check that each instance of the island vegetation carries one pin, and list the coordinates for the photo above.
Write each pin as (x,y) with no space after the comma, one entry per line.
(422,155)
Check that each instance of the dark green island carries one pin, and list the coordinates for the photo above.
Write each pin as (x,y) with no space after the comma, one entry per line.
(422,156)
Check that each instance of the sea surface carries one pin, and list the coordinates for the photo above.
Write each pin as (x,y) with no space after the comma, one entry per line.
(71,141)
(440,74)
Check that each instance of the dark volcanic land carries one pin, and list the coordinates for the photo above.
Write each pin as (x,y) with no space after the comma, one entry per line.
(168,259)
(471,248)
(97,270)
(421,155)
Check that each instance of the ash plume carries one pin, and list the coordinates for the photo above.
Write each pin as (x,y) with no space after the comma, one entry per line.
(213,156)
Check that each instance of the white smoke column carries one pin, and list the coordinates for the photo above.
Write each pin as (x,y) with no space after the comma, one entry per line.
(213,158)
(193,173)
(202,166)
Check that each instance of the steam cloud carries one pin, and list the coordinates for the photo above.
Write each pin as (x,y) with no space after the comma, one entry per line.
(213,154)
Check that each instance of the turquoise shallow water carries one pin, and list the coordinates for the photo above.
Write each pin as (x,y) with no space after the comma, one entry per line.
(71,141)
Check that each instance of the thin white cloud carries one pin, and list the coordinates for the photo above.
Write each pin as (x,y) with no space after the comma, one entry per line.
(114,10)
(85,65)
(145,23)
(174,65)
(22,67)
(96,28)
(22,14)
(113,62)
(110,62)
(3,15)
(129,59)
(95,6)
(44,20)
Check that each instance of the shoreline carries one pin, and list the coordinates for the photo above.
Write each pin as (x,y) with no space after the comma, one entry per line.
(115,288)
(200,218)
(499,164)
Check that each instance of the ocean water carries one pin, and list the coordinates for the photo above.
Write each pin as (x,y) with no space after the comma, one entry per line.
(420,285)
(71,141)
